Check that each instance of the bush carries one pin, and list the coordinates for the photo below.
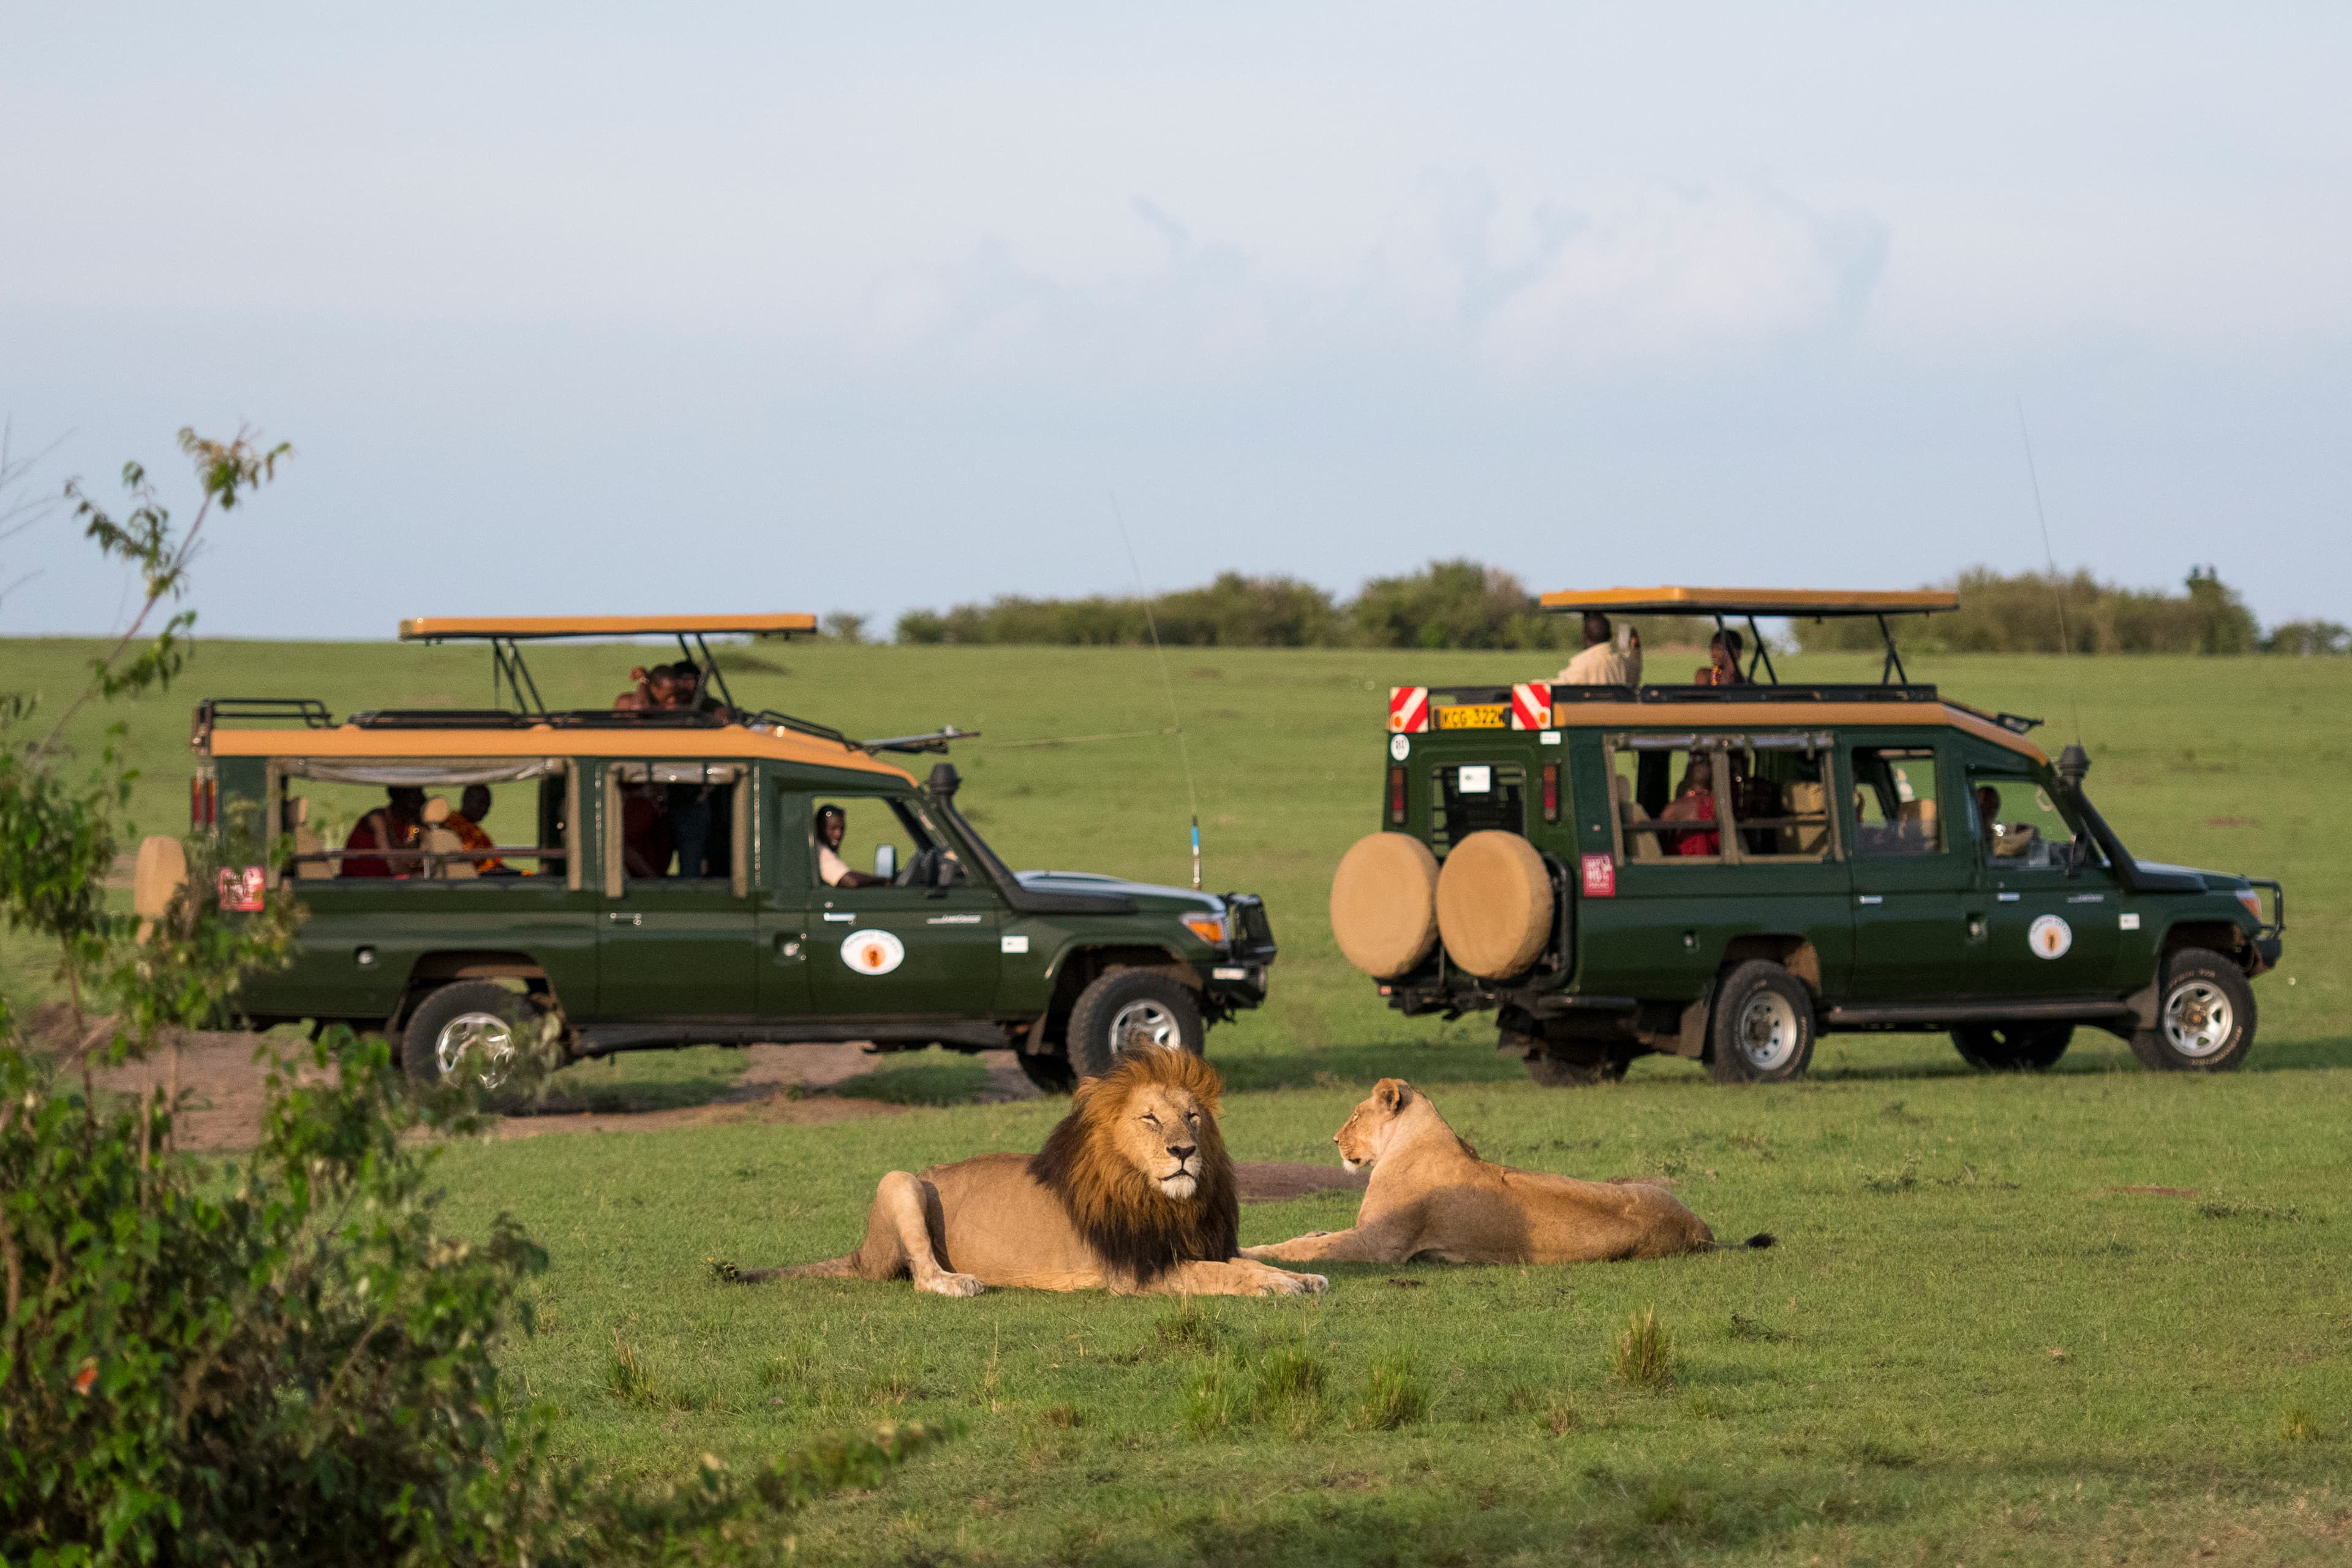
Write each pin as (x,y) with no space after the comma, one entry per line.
(2022,614)
(1645,1352)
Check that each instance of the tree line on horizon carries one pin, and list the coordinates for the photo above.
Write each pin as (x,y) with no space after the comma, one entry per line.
(1463,604)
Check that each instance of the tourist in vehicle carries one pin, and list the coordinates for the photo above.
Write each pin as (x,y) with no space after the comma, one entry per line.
(832,822)
(465,822)
(1695,802)
(640,694)
(1722,668)
(1989,812)
(644,830)
(1600,664)
(392,826)
(1633,656)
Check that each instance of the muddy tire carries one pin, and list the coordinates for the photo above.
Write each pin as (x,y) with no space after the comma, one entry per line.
(2204,1015)
(1495,904)
(2012,1047)
(1128,1010)
(1384,904)
(1761,1029)
(474,1027)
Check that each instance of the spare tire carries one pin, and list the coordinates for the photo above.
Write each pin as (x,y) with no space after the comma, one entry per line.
(162,872)
(1384,903)
(1494,904)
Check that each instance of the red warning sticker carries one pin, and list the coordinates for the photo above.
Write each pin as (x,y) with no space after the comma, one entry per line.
(1531,705)
(1599,877)
(1409,709)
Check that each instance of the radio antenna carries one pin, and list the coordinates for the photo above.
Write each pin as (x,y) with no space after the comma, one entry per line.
(1183,756)
(2057,595)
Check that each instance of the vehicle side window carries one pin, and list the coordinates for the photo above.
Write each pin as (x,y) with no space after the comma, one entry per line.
(1895,801)
(1780,798)
(1666,799)
(1474,797)
(676,821)
(394,821)
(868,840)
(2019,826)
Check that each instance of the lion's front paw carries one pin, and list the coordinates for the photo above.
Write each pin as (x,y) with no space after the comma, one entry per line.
(1284,1283)
(952,1285)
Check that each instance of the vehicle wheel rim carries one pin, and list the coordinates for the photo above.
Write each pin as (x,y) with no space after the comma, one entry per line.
(486,1036)
(1767,1032)
(2198,1019)
(1141,1024)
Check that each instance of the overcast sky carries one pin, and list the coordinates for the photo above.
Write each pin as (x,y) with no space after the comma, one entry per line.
(597,309)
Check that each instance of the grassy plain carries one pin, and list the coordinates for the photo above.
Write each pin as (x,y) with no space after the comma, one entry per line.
(1972,1345)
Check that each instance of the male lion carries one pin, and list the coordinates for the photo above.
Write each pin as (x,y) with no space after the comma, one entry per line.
(1133,1193)
(1432,1196)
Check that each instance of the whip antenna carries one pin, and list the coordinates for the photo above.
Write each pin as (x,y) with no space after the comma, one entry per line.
(1183,756)
(2057,597)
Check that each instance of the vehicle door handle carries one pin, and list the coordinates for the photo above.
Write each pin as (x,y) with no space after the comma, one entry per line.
(1869,899)
(851,917)
(617,917)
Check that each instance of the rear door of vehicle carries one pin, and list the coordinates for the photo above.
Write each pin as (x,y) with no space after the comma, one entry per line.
(672,944)
(1919,910)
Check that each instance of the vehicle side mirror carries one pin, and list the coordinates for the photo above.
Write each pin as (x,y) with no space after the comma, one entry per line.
(943,874)
(886,861)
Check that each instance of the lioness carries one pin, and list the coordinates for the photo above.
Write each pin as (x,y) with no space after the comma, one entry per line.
(1432,1196)
(1133,1193)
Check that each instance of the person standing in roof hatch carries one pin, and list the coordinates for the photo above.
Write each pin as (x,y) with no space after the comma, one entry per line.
(1722,669)
(1600,664)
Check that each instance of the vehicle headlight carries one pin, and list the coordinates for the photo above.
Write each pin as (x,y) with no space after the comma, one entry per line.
(1208,928)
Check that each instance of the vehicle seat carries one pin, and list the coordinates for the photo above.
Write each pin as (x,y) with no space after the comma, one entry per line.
(436,838)
(1638,846)
(1915,827)
(1809,800)
(307,842)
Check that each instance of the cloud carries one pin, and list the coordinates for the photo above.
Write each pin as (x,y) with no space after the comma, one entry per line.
(1458,275)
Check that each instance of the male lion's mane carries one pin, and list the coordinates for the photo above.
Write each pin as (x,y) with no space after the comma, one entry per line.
(1119,1211)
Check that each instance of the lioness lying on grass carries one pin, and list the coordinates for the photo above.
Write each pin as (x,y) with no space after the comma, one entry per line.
(1432,1196)
(1133,1193)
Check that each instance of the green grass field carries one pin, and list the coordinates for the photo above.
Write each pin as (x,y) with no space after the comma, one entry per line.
(1971,1346)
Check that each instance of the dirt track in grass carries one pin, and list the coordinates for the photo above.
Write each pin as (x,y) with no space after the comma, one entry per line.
(797,1086)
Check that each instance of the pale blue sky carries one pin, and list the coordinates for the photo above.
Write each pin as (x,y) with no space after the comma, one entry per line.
(603,308)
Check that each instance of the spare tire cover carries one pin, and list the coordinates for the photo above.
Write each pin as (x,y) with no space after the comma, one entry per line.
(1494,904)
(162,871)
(1384,903)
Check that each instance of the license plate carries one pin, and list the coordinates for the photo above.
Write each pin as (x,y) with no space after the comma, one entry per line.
(1473,716)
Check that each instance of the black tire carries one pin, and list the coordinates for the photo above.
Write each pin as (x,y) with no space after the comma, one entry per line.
(471,1015)
(1761,1029)
(1051,1073)
(2012,1047)
(1554,1070)
(1147,1009)
(2204,1015)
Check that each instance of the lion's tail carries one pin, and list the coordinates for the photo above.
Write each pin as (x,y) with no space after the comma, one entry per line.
(842,1267)
(1761,1240)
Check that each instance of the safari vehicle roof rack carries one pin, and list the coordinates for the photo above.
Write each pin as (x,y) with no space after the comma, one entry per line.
(308,711)
(506,634)
(1749,603)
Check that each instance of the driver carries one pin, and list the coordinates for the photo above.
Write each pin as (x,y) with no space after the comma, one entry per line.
(832,822)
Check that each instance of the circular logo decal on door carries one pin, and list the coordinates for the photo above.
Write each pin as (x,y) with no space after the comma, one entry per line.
(2049,936)
(873,952)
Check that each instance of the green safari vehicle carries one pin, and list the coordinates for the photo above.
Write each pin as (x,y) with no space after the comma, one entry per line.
(662,876)
(1725,873)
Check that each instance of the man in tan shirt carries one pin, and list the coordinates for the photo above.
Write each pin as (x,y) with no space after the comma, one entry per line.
(1600,664)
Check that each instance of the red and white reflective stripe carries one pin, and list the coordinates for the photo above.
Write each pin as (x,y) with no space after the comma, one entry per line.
(1531,705)
(1409,709)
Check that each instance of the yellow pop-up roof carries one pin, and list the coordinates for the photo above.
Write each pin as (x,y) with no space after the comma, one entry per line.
(440,628)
